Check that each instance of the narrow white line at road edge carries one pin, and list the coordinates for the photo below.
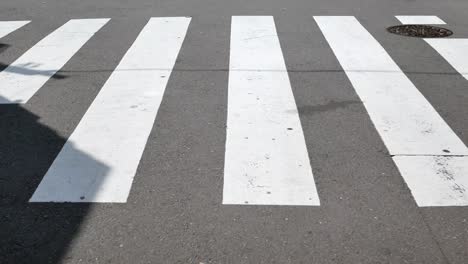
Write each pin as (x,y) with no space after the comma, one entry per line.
(6,27)
(100,159)
(266,161)
(24,77)
(454,50)
(412,130)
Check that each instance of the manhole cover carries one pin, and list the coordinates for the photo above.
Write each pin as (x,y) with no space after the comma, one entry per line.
(420,31)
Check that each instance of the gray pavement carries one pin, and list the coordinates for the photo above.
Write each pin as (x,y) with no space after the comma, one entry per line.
(174,213)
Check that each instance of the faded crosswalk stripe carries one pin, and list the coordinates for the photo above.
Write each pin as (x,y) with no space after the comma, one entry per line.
(412,130)
(6,27)
(24,77)
(454,50)
(266,158)
(115,129)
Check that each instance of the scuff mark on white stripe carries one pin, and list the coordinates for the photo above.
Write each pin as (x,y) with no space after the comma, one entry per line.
(436,180)
(266,160)
(115,129)
(6,27)
(24,77)
(409,126)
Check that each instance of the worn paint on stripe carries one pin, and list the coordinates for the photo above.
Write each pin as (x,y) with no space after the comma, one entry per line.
(115,129)
(24,77)
(266,158)
(410,127)
(436,180)
(6,27)
(420,20)
(454,50)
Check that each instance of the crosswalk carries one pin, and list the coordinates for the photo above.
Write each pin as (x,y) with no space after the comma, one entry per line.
(266,157)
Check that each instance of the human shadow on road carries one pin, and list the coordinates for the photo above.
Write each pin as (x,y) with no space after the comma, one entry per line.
(30,69)
(3,47)
(33,232)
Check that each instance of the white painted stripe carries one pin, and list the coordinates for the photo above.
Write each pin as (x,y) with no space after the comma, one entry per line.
(420,20)
(436,180)
(100,159)
(6,27)
(455,51)
(24,77)
(406,121)
(266,158)
(409,126)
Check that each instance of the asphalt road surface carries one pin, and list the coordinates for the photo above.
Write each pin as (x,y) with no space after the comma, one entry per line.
(259,131)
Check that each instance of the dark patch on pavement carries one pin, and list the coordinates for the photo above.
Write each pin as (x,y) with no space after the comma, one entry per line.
(330,106)
(3,47)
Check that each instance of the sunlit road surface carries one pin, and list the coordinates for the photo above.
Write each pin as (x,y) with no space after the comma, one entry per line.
(232,132)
